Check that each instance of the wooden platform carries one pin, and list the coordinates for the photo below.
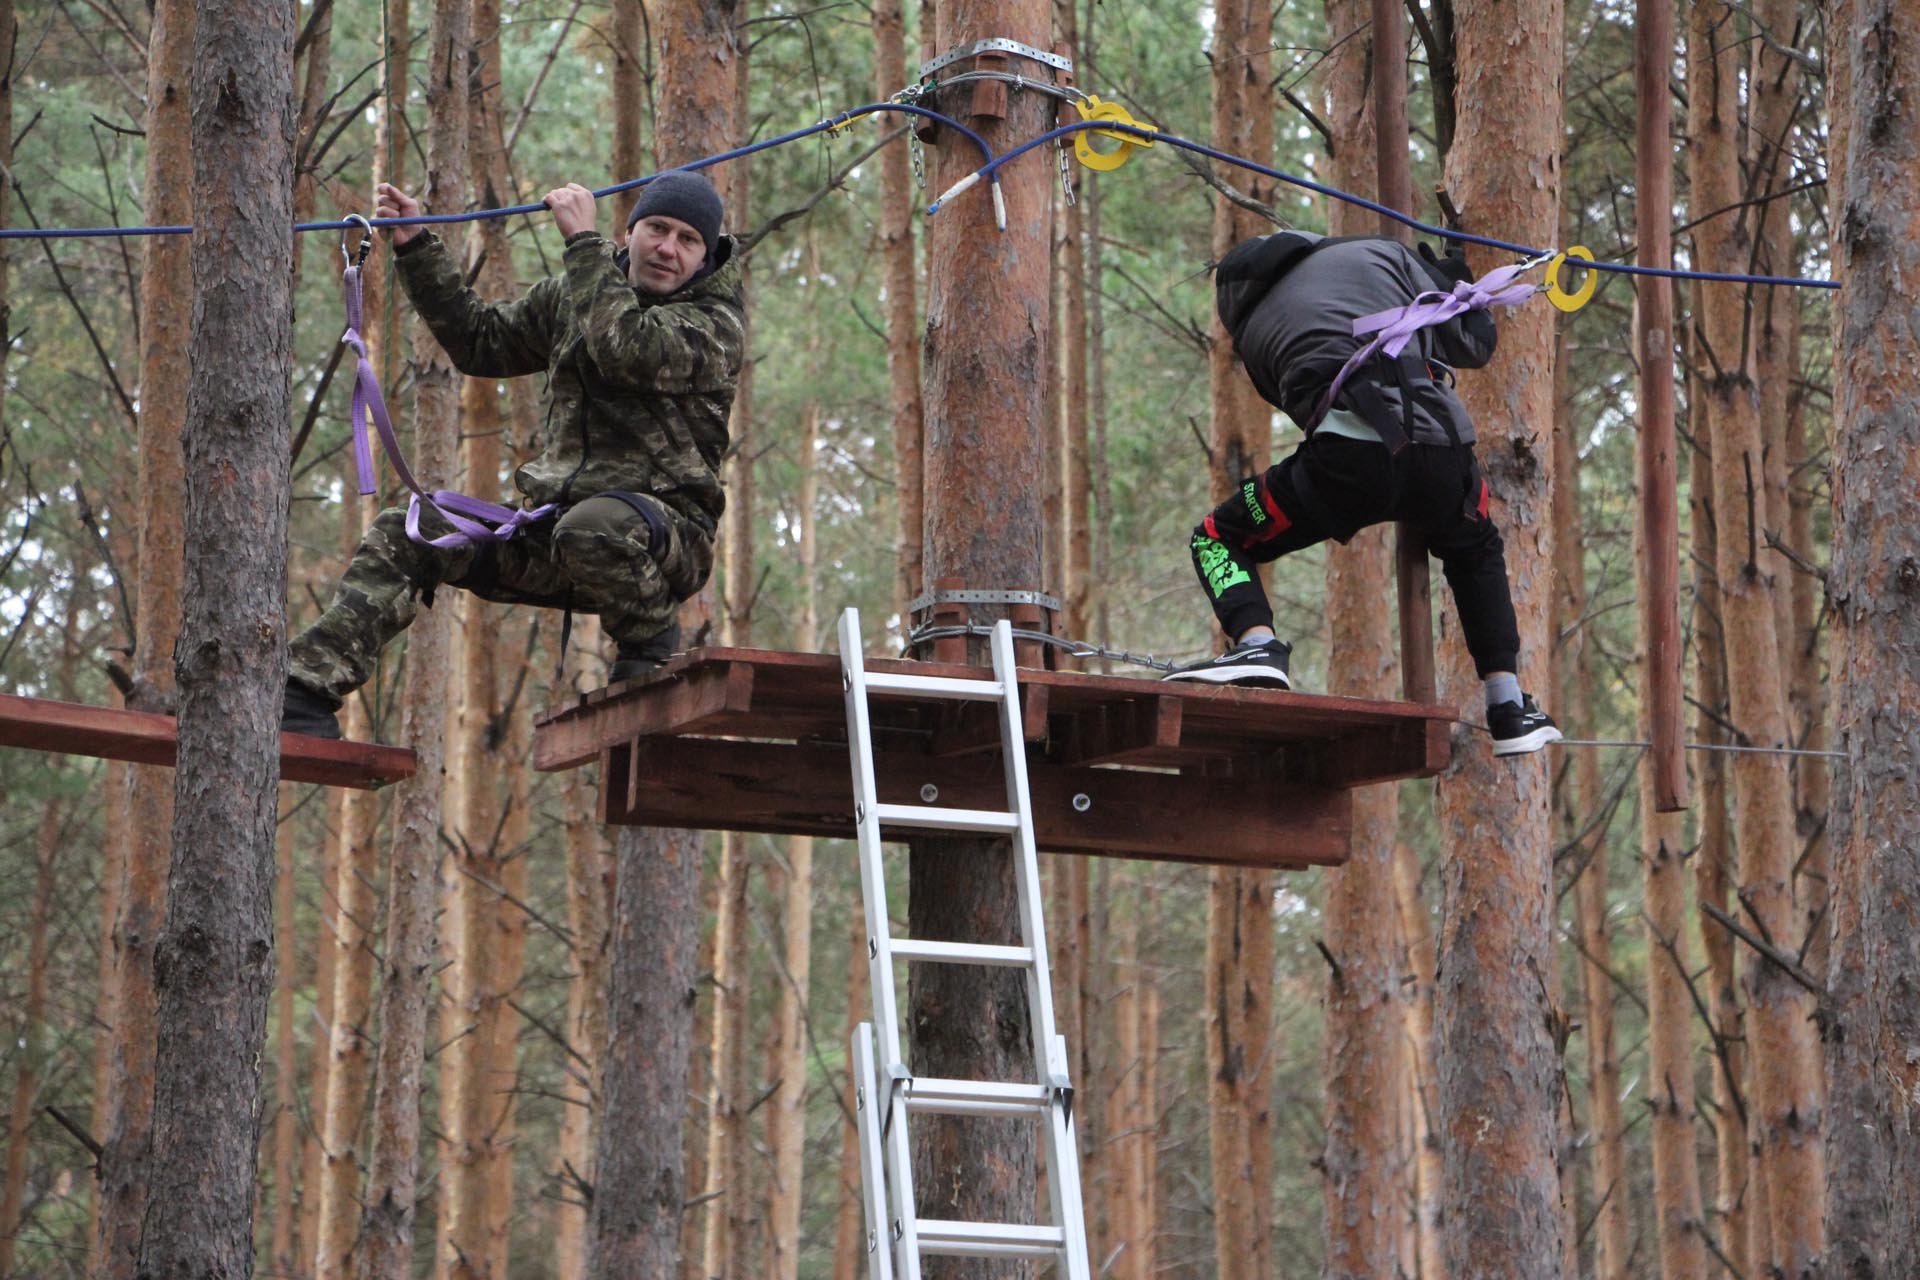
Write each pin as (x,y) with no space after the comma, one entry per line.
(143,737)
(755,740)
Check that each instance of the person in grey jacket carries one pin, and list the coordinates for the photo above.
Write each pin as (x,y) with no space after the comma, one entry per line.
(1396,443)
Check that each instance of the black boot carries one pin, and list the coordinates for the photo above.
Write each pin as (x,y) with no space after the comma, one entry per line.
(305,711)
(637,658)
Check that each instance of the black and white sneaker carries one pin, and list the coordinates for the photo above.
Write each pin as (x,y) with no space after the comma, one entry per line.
(1263,665)
(1520,727)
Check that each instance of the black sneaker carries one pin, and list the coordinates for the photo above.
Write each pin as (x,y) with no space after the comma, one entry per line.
(636,658)
(305,711)
(1263,665)
(1520,727)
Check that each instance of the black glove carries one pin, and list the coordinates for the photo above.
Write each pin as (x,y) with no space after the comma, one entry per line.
(1450,270)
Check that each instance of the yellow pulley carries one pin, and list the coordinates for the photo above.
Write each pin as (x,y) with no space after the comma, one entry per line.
(1112,112)
(1579,297)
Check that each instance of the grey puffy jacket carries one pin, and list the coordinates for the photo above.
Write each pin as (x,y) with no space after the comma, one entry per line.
(1289,301)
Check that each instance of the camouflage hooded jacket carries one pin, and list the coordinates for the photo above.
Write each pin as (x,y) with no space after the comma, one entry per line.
(638,386)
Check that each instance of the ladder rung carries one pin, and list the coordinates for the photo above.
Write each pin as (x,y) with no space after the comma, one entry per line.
(934,1096)
(926,817)
(954,687)
(961,953)
(988,1239)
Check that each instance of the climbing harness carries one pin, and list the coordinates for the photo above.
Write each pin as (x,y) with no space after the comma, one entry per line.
(1392,329)
(474,520)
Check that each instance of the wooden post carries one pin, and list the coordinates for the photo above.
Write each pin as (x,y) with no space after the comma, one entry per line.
(1659,478)
(1396,192)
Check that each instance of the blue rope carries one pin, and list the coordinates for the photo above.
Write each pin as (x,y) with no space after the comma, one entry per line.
(990,171)
(428,219)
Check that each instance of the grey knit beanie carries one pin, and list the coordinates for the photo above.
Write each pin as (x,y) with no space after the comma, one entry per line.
(686,195)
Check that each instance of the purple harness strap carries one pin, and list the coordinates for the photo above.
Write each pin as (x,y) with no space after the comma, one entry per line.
(1394,328)
(474,520)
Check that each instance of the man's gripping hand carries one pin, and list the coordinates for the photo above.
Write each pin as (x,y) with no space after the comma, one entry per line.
(572,207)
(391,202)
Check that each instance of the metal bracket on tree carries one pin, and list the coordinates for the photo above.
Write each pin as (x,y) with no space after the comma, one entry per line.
(950,604)
(1059,62)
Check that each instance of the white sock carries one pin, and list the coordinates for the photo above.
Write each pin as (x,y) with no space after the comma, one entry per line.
(1502,688)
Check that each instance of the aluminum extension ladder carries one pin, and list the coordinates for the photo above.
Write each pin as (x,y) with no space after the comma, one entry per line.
(886,1092)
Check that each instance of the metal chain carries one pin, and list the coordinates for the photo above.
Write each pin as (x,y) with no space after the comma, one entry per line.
(926,632)
(1066,174)
(918,155)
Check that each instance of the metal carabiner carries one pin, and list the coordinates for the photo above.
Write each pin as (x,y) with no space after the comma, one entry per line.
(366,241)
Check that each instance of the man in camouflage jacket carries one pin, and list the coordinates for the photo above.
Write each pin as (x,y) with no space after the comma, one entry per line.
(642,348)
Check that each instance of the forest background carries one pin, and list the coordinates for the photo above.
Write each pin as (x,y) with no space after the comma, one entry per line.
(511,1057)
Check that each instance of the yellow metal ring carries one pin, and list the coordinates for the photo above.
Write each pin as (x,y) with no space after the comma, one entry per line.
(1105,161)
(1579,297)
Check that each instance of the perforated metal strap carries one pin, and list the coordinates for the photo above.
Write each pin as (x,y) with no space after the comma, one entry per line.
(983,595)
(995,45)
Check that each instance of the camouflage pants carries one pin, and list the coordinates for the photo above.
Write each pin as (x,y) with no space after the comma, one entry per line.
(629,558)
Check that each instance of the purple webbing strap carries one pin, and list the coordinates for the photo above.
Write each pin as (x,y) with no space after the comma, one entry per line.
(473,519)
(1394,328)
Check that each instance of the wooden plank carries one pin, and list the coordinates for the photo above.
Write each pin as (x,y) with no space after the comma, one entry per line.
(715,697)
(806,790)
(144,737)
(1389,753)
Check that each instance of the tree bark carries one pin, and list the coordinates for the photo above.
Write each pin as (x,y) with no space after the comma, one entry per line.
(1787,1094)
(793,890)
(640,1176)
(1365,1034)
(1873,1044)
(986,353)
(639,1155)
(1416,927)
(166,302)
(32,1041)
(904,407)
(1578,804)
(286,1135)
(385,1247)
(1239,920)
(1499,1076)
(213,966)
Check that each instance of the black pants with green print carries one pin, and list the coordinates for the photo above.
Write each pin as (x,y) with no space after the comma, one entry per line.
(1333,487)
(629,558)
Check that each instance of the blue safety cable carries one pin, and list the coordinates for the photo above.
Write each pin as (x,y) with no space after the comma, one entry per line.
(991,169)
(825,126)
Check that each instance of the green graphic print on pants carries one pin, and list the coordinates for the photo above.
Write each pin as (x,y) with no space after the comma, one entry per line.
(602,556)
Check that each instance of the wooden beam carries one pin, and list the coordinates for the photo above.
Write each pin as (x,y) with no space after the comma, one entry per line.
(144,737)
(807,790)
(711,698)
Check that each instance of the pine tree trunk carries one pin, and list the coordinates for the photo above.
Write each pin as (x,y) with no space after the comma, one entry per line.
(640,1156)
(1787,1093)
(1239,921)
(166,302)
(1499,1070)
(1676,1174)
(385,1247)
(987,321)
(793,890)
(1365,1034)
(904,407)
(1874,1042)
(484,932)
(729,1215)
(213,965)
(1713,874)
(1579,804)
(286,1134)
(589,882)
(33,1039)
(1416,927)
